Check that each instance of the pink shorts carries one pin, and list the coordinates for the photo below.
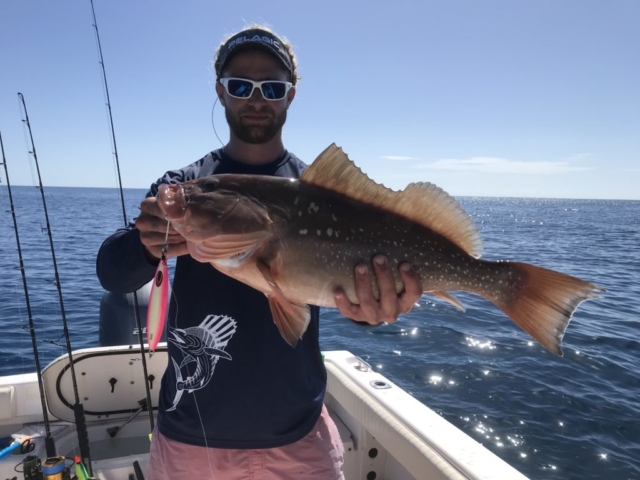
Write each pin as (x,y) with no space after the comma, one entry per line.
(319,455)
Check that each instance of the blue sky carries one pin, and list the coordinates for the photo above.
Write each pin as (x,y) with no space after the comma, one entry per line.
(492,98)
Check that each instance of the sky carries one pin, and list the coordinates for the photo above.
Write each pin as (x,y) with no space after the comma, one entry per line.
(488,98)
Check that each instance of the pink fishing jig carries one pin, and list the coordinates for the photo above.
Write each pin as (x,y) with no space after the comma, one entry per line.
(158,300)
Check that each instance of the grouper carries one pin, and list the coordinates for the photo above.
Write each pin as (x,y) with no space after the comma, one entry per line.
(298,240)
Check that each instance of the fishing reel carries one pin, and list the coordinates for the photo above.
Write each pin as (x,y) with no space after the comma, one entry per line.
(53,468)
(32,468)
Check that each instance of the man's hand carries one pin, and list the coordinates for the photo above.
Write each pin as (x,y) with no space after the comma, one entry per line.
(390,304)
(152,224)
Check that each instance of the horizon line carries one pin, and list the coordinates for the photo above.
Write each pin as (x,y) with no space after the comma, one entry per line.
(455,196)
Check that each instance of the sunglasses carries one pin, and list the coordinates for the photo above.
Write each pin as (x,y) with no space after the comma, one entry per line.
(242,88)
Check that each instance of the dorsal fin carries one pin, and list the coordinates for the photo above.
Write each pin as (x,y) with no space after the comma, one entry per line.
(423,203)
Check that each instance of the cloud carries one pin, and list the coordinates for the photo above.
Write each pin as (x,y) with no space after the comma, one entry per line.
(502,165)
(398,158)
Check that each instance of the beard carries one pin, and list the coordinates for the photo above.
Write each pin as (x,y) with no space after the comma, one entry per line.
(255,134)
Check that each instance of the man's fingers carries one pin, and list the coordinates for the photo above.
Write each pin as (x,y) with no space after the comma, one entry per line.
(151,223)
(177,250)
(147,223)
(346,308)
(412,287)
(369,307)
(387,289)
(150,207)
(152,217)
(390,304)
(153,239)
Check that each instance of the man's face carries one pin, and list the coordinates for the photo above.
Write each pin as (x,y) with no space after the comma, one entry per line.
(255,120)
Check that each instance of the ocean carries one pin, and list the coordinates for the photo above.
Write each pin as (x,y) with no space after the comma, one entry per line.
(550,417)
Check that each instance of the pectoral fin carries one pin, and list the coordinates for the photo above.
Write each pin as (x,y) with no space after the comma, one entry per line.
(227,246)
(449,298)
(292,320)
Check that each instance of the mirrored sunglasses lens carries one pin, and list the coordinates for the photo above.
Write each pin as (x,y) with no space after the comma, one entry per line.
(239,88)
(274,90)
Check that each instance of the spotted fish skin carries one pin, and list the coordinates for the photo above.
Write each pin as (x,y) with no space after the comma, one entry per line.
(297,240)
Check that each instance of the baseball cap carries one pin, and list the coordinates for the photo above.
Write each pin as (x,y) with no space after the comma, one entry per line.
(254,38)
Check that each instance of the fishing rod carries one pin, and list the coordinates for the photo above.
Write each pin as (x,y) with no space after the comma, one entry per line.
(48,440)
(124,215)
(78,408)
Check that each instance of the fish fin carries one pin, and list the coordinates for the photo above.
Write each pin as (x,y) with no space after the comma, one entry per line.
(423,203)
(292,320)
(217,352)
(449,298)
(542,302)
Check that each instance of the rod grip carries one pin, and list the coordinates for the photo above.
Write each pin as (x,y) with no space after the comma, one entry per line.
(83,436)
(50,446)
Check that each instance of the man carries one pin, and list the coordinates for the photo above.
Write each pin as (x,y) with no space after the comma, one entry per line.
(233,385)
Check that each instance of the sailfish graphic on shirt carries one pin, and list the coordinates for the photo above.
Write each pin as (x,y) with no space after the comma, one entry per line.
(201,346)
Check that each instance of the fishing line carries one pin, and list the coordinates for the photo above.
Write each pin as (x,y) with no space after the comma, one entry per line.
(78,408)
(212,123)
(43,313)
(107,112)
(49,441)
(126,223)
(204,435)
(195,400)
(165,247)
(137,315)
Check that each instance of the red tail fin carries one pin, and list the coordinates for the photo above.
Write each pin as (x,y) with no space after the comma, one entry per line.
(544,302)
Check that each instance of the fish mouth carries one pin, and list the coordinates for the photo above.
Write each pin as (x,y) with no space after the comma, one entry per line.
(172,201)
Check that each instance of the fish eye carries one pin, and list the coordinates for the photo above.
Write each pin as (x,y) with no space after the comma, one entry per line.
(210,184)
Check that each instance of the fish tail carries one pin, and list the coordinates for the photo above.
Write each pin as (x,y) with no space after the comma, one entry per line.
(542,301)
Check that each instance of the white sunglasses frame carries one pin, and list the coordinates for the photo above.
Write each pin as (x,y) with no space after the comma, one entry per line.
(258,85)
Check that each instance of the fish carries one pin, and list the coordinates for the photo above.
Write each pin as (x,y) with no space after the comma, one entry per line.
(297,240)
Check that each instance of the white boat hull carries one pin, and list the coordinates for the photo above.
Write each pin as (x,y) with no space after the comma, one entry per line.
(387,433)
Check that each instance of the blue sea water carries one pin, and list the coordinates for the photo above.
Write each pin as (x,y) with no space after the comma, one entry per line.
(550,417)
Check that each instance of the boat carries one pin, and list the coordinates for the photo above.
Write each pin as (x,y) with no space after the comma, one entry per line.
(387,433)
